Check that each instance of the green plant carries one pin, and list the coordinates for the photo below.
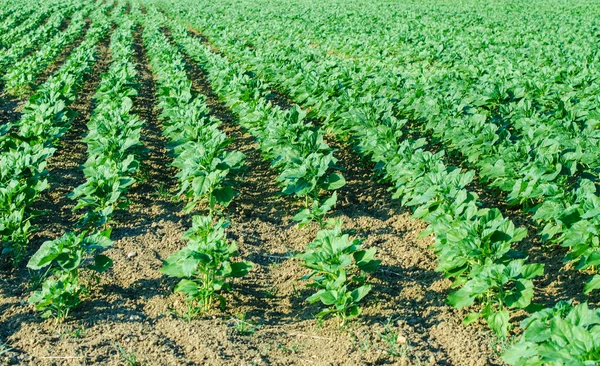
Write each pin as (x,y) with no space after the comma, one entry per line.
(395,342)
(128,356)
(295,348)
(242,326)
(204,265)
(339,266)
(102,192)
(26,144)
(78,332)
(4,348)
(563,335)
(66,256)
(499,288)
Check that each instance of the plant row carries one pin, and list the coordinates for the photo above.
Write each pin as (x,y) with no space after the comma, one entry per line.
(19,79)
(473,244)
(26,144)
(542,343)
(26,44)
(305,162)
(538,146)
(113,134)
(206,172)
(33,21)
(16,15)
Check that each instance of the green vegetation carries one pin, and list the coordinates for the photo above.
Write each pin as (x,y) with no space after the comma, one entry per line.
(480,117)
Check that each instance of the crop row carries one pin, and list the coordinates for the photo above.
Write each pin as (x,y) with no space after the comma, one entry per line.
(469,233)
(544,159)
(474,244)
(26,144)
(108,172)
(338,263)
(19,78)
(16,15)
(27,43)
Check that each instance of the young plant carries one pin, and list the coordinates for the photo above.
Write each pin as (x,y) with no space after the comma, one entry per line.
(66,256)
(204,265)
(128,356)
(204,170)
(316,212)
(243,326)
(498,287)
(563,335)
(396,344)
(307,166)
(104,189)
(339,266)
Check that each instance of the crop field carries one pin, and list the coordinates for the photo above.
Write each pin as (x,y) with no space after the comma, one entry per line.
(243,182)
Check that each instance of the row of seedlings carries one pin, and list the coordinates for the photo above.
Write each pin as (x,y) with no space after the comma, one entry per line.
(113,135)
(482,263)
(26,144)
(206,173)
(530,347)
(308,170)
(19,79)
(541,153)
(25,45)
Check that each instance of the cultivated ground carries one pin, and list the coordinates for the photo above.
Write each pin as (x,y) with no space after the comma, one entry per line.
(131,311)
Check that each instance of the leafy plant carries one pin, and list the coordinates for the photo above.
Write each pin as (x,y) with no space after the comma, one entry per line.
(497,287)
(205,265)
(66,256)
(563,335)
(206,169)
(26,144)
(339,266)
(102,192)
(306,164)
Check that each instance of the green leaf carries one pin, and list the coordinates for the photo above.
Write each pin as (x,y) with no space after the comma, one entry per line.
(302,215)
(530,271)
(460,298)
(187,287)
(328,297)
(592,284)
(334,181)
(44,256)
(353,312)
(224,195)
(359,293)
(101,263)
(471,318)
(240,269)
(499,322)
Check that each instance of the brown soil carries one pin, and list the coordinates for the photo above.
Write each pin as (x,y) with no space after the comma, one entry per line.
(131,307)
(10,107)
